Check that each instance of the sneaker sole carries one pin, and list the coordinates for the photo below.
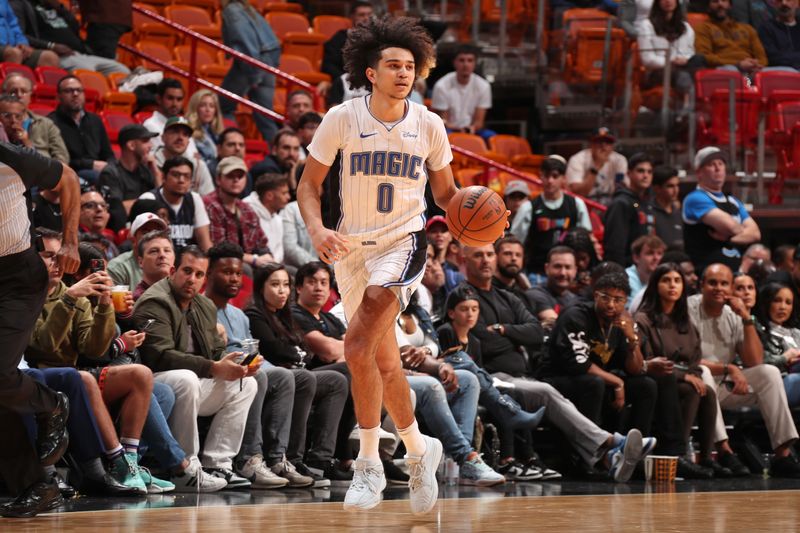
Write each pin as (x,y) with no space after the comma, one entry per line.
(154,489)
(481,482)
(433,461)
(631,454)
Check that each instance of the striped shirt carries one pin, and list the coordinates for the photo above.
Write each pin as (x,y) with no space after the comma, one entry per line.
(21,169)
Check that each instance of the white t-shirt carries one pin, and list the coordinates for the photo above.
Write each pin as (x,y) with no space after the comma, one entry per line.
(384,168)
(653,48)
(580,163)
(461,101)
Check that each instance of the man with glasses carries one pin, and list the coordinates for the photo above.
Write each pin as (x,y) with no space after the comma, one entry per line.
(233,220)
(188,219)
(83,132)
(542,222)
(595,171)
(32,130)
(94,219)
(505,330)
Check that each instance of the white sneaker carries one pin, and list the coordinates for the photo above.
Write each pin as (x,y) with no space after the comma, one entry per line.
(367,485)
(260,477)
(625,456)
(476,472)
(194,479)
(422,473)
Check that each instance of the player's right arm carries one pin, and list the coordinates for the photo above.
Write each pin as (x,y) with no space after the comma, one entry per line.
(329,244)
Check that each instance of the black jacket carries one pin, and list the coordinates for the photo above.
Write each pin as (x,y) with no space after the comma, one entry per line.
(781,43)
(38,32)
(87,142)
(628,217)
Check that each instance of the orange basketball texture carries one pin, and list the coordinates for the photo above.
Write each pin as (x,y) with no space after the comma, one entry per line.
(476,216)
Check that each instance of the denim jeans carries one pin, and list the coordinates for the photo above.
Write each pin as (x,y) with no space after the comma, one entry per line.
(791,382)
(452,423)
(156,435)
(261,92)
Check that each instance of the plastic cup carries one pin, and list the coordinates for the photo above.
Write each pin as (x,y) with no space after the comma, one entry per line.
(118,294)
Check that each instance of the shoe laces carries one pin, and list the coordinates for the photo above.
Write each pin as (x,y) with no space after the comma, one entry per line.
(416,471)
(361,479)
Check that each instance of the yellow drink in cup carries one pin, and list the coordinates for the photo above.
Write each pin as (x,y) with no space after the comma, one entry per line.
(118,293)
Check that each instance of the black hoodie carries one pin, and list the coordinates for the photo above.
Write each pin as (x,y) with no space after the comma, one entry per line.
(628,218)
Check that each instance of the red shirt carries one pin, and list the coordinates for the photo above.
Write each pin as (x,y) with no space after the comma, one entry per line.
(244,229)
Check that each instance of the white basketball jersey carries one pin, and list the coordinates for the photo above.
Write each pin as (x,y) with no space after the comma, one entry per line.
(381,182)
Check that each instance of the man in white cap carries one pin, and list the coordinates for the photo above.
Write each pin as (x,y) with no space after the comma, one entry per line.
(176,140)
(541,223)
(715,225)
(233,220)
(124,269)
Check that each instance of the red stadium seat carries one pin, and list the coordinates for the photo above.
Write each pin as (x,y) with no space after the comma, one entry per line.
(114,121)
(49,75)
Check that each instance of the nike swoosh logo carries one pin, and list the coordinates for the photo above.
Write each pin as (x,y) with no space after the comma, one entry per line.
(365,135)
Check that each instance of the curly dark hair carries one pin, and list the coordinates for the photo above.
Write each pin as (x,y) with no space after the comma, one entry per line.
(616,280)
(367,41)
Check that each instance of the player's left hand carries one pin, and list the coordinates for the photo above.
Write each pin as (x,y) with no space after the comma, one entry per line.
(330,245)
(508,216)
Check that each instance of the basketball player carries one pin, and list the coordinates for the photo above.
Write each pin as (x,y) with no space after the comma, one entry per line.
(389,148)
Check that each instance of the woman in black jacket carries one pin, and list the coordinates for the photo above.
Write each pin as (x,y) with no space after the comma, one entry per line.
(281,343)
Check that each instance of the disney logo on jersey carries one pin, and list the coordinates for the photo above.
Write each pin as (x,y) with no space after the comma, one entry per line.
(384,163)
(409,135)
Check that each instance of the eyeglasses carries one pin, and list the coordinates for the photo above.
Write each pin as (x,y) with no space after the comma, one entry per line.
(5,115)
(18,92)
(75,90)
(607,298)
(95,205)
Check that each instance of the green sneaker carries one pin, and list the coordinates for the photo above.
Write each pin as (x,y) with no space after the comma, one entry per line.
(125,469)
(153,484)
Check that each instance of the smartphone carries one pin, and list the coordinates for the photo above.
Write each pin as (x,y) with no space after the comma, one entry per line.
(96,265)
(147,324)
(249,359)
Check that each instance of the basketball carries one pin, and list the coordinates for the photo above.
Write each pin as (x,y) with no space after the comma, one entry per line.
(476,216)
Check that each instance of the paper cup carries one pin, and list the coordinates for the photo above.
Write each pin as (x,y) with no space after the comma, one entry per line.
(660,467)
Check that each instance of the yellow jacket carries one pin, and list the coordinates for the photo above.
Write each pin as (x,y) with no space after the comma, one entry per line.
(727,43)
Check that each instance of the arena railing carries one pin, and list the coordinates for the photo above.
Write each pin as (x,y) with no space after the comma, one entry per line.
(195,80)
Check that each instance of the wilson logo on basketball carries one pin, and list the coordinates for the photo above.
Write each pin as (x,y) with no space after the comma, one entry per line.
(472,200)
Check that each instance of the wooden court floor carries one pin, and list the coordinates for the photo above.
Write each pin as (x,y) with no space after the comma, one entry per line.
(706,512)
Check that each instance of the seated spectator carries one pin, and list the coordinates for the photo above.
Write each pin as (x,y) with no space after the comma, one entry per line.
(630,214)
(175,141)
(283,159)
(776,314)
(432,289)
(687,269)
(124,269)
(105,24)
(647,252)
(34,131)
(595,171)
(509,275)
(270,196)
(245,30)
(671,348)
(755,252)
(306,127)
(136,170)
(188,219)
(205,118)
(515,193)
(780,36)
(332,61)
(446,398)
(156,260)
(667,206)
(169,98)
(586,248)
(783,257)
(185,351)
(69,328)
(52,25)
(438,233)
(664,30)
(543,222)
(233,220)
(723,42)
(728,331)
(752,12)
(15,46)
(503,329)
(282,340)
(94,219)
(298,103)
(462,98)
(83,132)
(230,142)
(297,246)
(551,298)
(46,207)
(715,224)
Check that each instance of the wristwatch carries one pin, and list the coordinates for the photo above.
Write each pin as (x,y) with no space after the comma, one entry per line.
(497,328)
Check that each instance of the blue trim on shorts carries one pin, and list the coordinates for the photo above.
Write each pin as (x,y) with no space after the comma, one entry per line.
(415,263)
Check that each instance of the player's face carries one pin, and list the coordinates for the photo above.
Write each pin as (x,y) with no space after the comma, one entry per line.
(276,290)
(226,277)
(394,75)
(188,278)
(481,262)
(315,290)
(465,314)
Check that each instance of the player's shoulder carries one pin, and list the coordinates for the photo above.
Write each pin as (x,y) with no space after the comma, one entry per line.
(426,116)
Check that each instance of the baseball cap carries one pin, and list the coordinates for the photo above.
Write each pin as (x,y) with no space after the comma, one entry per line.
(518,187)
(706,155)
(229,164)
(461,293)
(178,121)
(438,219)
(602,134)
(146,218)
(134,132)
